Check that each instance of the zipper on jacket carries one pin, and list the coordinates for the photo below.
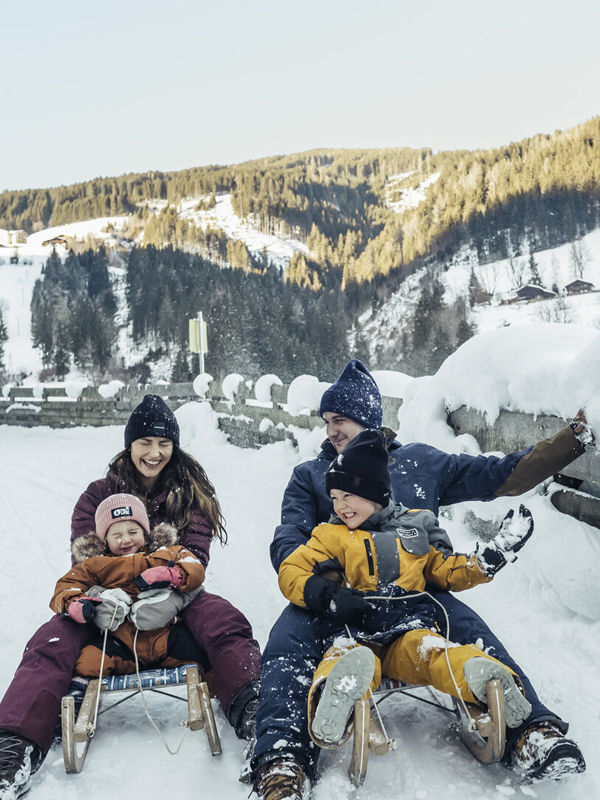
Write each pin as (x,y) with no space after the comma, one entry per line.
(370,557)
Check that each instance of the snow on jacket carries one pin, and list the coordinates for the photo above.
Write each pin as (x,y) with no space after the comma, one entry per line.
(396,546)
(196,537)
(94,567)
(421,477)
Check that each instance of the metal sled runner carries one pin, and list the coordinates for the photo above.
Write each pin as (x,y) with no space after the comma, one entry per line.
(484,733)
(77,733)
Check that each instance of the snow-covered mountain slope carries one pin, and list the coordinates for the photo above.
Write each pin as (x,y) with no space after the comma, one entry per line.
(499,279)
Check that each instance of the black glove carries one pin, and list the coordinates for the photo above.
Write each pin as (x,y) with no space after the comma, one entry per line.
(346,606)
(511,536)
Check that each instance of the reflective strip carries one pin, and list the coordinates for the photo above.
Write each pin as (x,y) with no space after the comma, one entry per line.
(387,556)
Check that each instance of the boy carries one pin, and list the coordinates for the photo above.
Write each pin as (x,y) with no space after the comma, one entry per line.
(386,553)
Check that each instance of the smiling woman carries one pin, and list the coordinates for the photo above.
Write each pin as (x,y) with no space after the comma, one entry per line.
(174,489)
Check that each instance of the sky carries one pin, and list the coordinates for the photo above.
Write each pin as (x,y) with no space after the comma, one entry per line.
(105,88)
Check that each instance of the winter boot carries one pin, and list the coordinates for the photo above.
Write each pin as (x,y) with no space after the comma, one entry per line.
(77,689)
(347,682)
(247,731)
(478,671)
(281,778)
(542,751)
(19,760)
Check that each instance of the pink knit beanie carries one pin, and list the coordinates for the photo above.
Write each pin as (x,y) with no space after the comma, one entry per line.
(118,507)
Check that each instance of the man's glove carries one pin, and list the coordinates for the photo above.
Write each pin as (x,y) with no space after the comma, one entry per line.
(581,430)
(112,610)
(159,578)
(83,609)
(155,608)
(511,536)
(346,606)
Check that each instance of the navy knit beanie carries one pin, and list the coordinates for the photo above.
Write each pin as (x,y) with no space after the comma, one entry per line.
(152,417)
(354,395)
(362,469)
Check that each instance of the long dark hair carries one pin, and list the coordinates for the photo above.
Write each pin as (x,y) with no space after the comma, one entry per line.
(185,482)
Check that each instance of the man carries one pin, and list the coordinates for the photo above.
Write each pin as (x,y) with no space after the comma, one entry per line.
(422,477)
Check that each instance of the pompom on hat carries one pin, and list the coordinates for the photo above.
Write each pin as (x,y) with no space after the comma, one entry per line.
(118,507)
(152,417)
(354,395)
(362,469)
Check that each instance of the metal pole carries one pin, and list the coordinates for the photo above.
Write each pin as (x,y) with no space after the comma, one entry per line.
(201,354)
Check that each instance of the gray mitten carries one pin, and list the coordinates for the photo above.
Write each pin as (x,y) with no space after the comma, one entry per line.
(113,609)
(155,608)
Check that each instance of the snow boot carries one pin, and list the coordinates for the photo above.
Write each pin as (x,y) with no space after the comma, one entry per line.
(281,778)
(19,760)
(478,671)
(543,751)
(347,682)
(247,731)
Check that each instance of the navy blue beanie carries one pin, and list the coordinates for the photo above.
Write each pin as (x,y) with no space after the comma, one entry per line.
(354,395)
(152,417)
(362,469)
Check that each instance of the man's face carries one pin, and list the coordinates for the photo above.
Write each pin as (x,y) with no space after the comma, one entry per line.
(341,430)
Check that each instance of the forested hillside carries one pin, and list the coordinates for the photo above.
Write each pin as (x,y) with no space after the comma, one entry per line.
(536,193)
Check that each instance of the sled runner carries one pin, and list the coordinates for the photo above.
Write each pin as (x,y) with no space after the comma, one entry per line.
(484,733)
(77,733)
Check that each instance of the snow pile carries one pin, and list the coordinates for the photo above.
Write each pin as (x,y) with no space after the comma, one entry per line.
(262,390)
(536,369)
(304,394)
(411,197)
(230,385)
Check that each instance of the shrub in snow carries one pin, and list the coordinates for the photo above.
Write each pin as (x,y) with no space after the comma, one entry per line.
(108,390)
(262,390)
(231,385)
(201,383)
(265,425)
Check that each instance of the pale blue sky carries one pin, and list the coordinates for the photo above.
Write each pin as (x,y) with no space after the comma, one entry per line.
(92,88)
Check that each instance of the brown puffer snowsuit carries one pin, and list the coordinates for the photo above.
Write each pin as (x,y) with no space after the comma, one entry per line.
(94,567)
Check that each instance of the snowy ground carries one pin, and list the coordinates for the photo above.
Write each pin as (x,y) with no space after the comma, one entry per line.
(553,633)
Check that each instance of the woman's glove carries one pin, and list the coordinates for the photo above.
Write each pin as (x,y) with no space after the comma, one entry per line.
(83,609)
(511,536)
(113,609)
(160,578)
(346,606)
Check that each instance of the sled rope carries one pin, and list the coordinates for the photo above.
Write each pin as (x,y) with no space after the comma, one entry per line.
(472,723)
(141,691)
(91,728)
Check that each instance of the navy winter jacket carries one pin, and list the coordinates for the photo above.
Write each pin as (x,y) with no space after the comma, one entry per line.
(421,475)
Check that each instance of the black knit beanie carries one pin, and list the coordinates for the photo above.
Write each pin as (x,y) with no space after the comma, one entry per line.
(354,395)
(152,417)
(362,468)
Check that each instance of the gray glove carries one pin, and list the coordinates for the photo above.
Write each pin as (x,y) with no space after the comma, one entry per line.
(155,608)
(512,534)
(113,609)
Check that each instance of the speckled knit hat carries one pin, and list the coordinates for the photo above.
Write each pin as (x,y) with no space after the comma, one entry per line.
(152,417)
(118,507)
(362,469)
(354,395)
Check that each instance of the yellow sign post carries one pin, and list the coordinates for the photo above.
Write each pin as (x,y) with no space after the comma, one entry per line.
(198,338)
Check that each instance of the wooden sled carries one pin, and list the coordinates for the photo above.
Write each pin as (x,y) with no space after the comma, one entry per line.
(484,735)
(77,734)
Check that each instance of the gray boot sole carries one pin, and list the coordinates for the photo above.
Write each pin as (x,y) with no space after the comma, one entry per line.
(347,682)
(478,671)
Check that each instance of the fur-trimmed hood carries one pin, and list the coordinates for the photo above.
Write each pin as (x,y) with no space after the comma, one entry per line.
(89,545)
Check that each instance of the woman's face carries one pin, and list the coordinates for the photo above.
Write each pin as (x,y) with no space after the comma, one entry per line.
(150,456)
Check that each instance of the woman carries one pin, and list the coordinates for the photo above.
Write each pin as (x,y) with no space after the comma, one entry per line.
(176,490)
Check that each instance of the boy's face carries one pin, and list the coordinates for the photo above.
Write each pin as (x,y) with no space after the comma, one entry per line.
(341,430)
(125,537)
(352,509)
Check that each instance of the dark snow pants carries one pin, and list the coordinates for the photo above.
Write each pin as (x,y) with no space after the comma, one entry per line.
(294,651)
(31,705)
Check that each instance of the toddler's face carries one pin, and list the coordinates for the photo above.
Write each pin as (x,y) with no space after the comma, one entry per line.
(124,538)
(352,509)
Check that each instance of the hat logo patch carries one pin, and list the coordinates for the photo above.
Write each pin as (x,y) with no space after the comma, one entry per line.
(123,511)
(407,533)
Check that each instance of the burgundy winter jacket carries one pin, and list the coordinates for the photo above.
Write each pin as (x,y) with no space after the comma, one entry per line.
(196,538)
